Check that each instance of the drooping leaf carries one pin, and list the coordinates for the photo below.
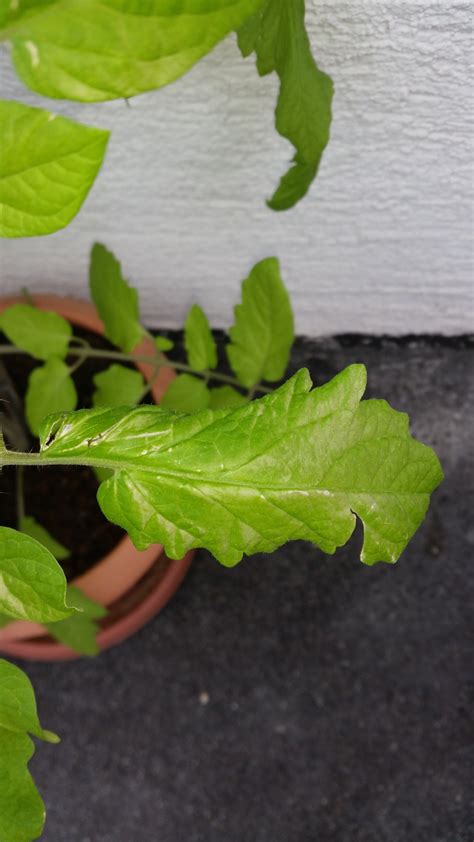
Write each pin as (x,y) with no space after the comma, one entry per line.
(186,394)
(163,343)
(22,810)
(33,585)
(30,526)
(40,333)
(278,36)
(298,463)
(60,51)
(115,299)
(225,397)
(118,386)
(79,631)
(199,341)
(50,389)
(18,711)
(47,167)
(262,334)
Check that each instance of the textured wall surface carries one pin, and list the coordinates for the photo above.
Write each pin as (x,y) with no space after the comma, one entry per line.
(382,243)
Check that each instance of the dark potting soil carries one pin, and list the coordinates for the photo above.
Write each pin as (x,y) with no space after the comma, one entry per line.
(62,499)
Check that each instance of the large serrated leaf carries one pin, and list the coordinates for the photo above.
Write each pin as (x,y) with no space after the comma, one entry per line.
(47,167)
(33,585)
(22,811)
(303,114)
(262,334)
(94,50)
(298,463)
(39,333)
(50,389)
(115,299)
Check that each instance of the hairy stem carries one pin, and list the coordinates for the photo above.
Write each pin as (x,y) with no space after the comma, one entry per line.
(121,356)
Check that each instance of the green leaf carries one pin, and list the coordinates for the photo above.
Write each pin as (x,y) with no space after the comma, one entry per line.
(298,463)
(162,343)
(33,584)
(31,527)
(199,341)
(262,335)
(18,705)
(22,811)
(116,301)
(118,386)
(102,473)
(303,114)
(47,167)
(225,397)
(93,50)
(186,394)
(39,333)
(79,631)
(50,389)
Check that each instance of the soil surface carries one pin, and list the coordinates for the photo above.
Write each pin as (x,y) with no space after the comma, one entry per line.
(296,697)
(62,499)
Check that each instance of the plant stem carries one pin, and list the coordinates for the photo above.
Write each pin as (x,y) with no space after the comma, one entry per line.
(98,353)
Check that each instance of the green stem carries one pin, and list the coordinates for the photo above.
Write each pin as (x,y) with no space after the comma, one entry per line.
(98,353)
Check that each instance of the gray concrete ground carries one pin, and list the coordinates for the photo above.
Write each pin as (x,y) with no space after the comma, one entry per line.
(296,698)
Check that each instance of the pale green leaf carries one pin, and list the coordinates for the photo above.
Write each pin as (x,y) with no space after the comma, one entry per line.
(33,585)
(186,394)
(47,167)
(42,334)
(79,631)
(303,114)
(115,299)
(262,334)
(18,704)
(31,527)
(163,343)
(94,50)
(225,397)
(22,811)
(298,463)
(199,341)
(50,389)
(118,386)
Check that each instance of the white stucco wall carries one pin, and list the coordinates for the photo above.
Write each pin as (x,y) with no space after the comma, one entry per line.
(382,243)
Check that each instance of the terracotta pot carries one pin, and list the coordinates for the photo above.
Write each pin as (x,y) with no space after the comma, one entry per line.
(133,585)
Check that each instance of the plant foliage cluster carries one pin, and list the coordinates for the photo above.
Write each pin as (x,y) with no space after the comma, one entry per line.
(210,467)
(49,163)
